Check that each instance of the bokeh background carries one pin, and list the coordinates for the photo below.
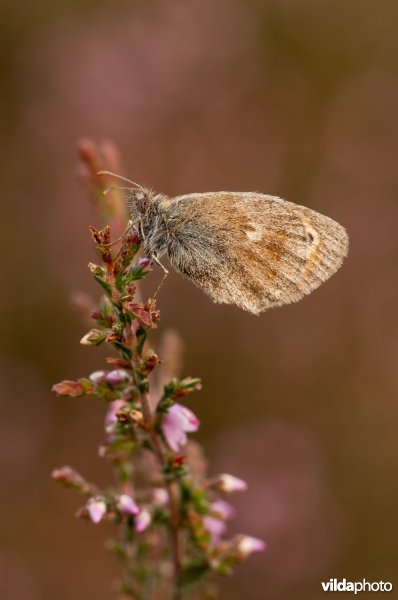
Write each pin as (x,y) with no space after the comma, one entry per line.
(296,99)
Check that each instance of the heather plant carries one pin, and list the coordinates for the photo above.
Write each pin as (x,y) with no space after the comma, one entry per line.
(170,515)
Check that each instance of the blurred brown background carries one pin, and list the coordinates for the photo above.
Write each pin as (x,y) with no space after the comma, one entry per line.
(296,99)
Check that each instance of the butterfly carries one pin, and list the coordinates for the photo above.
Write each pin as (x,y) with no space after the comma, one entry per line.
(244,248)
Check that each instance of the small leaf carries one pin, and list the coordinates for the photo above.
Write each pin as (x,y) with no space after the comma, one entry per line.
(173,472)
(107,287)
(95,337)
(201,504)
(178,389)
(141,337)
(139,270)
(126,351)
(194,571)
(120,282)
(119,362)
(116,548)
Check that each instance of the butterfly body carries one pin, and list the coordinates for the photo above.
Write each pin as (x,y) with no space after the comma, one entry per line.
(248,249)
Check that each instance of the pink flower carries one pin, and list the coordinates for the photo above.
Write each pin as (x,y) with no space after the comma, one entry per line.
(96,508)
(246,545)
(159,496)
(142,520)
(215,527)
(223,508)
(214,523)
(176,422)
(110,417)
(228,483)
(144,262)
(126,504)
(97,377)
(117,377)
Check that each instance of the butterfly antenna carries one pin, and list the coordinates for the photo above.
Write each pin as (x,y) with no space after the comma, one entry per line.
(106,191)
(133,183)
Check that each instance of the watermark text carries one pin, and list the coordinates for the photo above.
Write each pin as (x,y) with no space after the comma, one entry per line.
(356,587)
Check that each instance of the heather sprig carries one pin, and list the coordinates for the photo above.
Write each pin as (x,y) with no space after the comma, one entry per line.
(169,517)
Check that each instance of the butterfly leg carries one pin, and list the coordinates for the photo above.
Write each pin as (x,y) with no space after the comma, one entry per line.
(165,273)
(141,230)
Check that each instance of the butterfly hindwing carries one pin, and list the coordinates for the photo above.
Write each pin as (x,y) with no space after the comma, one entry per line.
(253,250)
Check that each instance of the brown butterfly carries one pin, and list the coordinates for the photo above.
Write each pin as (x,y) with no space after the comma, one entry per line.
(243,248)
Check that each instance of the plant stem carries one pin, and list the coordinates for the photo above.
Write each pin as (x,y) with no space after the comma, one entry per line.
(171,491)
(147,413)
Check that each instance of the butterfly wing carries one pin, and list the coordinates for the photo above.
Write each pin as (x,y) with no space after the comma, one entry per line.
(252,250)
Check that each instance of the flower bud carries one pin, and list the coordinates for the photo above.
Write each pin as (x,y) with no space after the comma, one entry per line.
(159,496)
(151,360)
(136,416)
(72,479)
(96,508)
(228,483)
(144,262)
(126,504)
(142,520)
(214,522)
(117,377)
(115,407)
(74,389)
(216,528)
(93,337)
(246,545)
(96,269)
(97,377)
(222,509)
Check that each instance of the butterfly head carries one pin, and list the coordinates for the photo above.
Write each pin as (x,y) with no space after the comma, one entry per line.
(139,200)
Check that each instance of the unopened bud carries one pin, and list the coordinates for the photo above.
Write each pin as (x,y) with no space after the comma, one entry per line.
(126,504)
(93,337)
(246,545)
(142,520)
(144,262)
(159,496)
(72,479)
(136,416)
(229,483)
(96,269)
(96,508)
(117,377)
(97,377)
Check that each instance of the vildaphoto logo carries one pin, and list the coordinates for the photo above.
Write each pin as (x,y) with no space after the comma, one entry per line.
(335,585)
